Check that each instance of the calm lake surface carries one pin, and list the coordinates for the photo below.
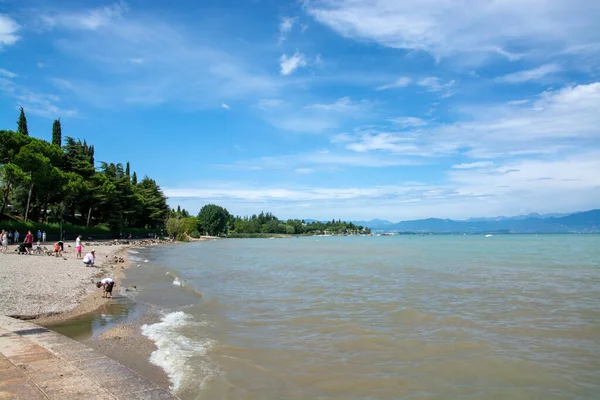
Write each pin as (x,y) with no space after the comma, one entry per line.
(402,317)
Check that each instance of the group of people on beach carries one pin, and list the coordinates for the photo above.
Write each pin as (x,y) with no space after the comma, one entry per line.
(27,246)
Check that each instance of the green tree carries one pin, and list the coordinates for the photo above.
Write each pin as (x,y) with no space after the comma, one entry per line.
(57,133)
(127,170)
(213,219)
(22,124)
(134,179)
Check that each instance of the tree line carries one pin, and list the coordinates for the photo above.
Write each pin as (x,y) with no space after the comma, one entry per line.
(216,220)
(58,181)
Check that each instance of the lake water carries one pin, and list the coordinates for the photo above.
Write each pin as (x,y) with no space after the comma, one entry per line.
(401,317)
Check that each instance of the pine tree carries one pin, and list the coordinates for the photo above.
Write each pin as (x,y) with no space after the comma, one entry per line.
(56,133)
(134,179)
(22,123)
(127,171)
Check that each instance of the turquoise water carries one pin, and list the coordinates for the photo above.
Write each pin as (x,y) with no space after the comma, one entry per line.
(401,317)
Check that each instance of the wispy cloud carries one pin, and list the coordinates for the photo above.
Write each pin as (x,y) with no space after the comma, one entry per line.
(556,122)
(560,185)
(225,106)
(90,19)
(474,31)
(408,122)
(7,73)
(473,165)
(286,25)
(35,102)
(342,105)
(403,81)
(287,65)
(180,65)
(534,74)
(434,84)
(8,31)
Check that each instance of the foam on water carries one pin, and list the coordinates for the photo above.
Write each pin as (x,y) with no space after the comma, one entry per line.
(174,349)
(133,251)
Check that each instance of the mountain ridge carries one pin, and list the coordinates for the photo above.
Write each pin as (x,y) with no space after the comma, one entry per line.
(576,222)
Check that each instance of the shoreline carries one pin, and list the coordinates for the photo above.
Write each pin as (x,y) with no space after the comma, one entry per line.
(37,279)
(123,342)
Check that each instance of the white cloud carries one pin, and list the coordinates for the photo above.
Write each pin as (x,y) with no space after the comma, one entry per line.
(35,102)
(7,73)
(408,122)
(288,65)
(561,185)
(434,84)
(182,63)
(383,141)
(90,19)
(285,27)
(555,122)
(473,165)
(534,74)
(225,106)
(136,60)
(475,29)
(342,105)
(8,31)
(41,65)
(403,81)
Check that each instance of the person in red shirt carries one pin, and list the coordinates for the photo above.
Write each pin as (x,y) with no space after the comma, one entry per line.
(28,242)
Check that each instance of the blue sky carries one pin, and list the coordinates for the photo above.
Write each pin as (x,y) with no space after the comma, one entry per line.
(352,109)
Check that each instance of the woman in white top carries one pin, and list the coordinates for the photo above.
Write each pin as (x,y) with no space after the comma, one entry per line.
(4,240)
(78,246)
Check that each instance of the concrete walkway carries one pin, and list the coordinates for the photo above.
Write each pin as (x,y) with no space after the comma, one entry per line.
(36,363)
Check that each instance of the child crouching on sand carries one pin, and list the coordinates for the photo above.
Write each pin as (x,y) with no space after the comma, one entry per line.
(107,284)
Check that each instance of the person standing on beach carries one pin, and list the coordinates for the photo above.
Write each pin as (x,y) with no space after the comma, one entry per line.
(28,242)
(4,240)
(39,236)
(16,236)
(78,246)
(44,237)
(89,258)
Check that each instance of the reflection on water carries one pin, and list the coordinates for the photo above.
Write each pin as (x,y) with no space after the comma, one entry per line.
(85,326)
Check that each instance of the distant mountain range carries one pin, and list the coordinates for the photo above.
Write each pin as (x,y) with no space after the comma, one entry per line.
(579,222)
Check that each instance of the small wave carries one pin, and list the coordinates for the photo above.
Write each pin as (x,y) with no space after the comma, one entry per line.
(174,349)
(177,282)
(133,251)
(135,258)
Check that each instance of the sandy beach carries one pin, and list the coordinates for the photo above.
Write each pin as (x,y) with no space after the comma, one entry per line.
(44,287)
(50,290)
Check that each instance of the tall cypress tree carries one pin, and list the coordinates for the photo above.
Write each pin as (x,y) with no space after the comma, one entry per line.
(134,179)
(22,124)
(127,171)
(57,133)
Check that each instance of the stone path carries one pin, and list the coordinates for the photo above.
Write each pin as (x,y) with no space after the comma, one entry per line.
(36,363)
